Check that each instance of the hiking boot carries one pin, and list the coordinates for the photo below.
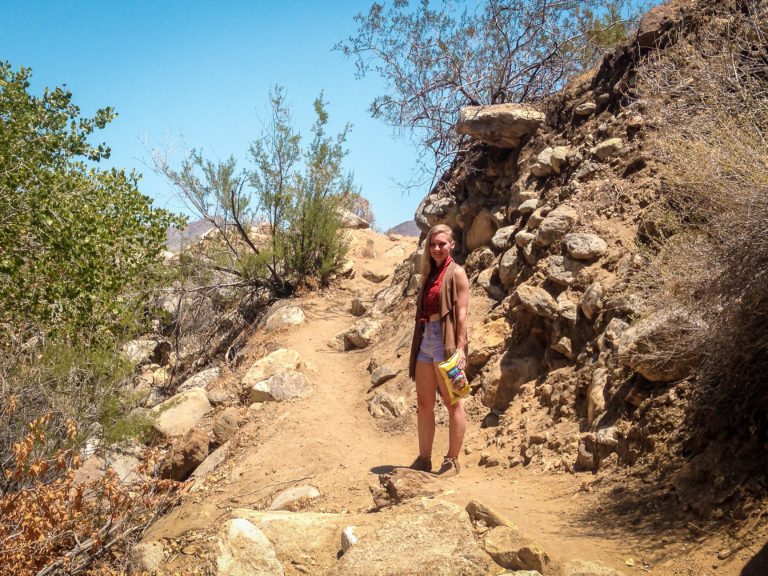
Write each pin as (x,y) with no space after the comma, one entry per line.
(450,467)
(422,463)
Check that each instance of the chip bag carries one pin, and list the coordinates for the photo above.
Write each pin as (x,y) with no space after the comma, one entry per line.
(455,380)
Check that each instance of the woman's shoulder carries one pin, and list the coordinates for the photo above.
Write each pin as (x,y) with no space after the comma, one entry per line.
(458,273)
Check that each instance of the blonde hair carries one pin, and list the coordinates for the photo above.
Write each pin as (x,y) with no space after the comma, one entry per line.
(427,262)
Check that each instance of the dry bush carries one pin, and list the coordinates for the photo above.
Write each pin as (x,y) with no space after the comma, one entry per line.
(708,256)
(53,525)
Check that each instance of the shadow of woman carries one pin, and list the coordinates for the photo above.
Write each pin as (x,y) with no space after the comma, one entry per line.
(386,469)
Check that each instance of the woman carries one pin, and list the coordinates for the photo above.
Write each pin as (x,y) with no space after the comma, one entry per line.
(441,329)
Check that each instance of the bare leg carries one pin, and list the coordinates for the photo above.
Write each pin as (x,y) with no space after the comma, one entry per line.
(426,387)
(457,420)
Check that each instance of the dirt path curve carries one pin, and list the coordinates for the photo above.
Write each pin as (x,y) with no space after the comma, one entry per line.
(330,441)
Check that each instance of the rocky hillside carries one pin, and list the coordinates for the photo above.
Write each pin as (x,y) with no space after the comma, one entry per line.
(554,208)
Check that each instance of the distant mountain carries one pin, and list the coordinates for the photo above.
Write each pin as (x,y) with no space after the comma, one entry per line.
(175,238)
(407,228)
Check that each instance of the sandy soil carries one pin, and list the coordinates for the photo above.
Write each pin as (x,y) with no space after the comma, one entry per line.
(330,441)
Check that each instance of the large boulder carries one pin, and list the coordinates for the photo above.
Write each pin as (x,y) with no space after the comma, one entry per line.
(422,537)
(503,381)
(386,298)
(309,539)
(360,335)
(280,387)
(181,413)
(279,361)
(349,219)
(244,550)
(282,317)
(502,125)
(435,209)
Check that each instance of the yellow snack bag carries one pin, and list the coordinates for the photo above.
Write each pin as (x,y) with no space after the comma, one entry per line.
(455,380)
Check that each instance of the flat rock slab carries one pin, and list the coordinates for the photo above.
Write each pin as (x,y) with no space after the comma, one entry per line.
(502,125)
(422,537)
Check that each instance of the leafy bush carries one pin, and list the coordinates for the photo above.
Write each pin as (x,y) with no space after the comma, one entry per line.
(297,193)
(78,245)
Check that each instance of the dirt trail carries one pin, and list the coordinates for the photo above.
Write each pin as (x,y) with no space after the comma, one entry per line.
(330,441)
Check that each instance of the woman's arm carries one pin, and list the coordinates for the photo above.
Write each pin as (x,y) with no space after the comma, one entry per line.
(462,288)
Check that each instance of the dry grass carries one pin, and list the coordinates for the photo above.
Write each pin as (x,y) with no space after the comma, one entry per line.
(708,258)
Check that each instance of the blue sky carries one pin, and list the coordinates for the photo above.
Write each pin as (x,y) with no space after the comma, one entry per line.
(198,74)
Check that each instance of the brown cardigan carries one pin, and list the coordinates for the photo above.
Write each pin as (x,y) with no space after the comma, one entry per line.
(449,295)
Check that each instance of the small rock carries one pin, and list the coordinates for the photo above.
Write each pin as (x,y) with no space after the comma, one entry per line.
(186,455)
(348,538)
(556,225)
(537,300)
(146,557)
(502,238)
(226,424)
(374,277)
(559,158)
(201,379)
(358,308)
(591,303)
(528,206)
(383,405)
(584,246)
(585,109)
(523,238)
(480,512)
(382,374)
(294,498)
(360,335)
(217,396)
(282,317)
(607,148)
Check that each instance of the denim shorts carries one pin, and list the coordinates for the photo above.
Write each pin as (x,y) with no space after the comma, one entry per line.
(432,348)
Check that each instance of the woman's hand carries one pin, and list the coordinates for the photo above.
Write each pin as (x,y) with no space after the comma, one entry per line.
(462,362)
